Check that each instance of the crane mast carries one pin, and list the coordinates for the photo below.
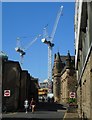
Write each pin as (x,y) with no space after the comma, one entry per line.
(49,41)
(50,50)
(49,69)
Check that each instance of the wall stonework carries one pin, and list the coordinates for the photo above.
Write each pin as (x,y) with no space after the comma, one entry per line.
(83,58)
(91,85)
(79,100)
(64,78)
(68,84)
(86,91)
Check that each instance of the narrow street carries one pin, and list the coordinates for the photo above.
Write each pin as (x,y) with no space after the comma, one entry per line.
(44,111)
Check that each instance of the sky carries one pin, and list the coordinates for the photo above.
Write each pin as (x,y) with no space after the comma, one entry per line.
(26,20)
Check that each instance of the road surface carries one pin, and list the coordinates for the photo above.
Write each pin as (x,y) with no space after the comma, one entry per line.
(44,111)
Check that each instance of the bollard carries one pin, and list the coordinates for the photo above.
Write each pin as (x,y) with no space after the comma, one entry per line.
(26,105)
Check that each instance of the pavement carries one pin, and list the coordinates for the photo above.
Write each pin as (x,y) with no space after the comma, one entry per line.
(71,114)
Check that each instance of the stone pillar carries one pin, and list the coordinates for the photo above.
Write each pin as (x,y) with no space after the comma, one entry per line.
(56,86)
(56,76)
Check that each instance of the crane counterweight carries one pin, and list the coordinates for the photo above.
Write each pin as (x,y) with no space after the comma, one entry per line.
(21,51)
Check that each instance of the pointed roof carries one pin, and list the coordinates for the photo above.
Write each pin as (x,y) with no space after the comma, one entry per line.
(58,57)
(68,56)
(3,55)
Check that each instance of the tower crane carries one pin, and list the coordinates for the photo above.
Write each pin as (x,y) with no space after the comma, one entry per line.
(49,41)
(20,50)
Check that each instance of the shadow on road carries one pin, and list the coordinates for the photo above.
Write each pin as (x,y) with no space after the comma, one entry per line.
(44,111)
(46,106)
(32,119)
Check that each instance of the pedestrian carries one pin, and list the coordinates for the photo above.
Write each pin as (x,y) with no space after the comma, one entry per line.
(33,105)
(48,99)
(52,99)
(43,99)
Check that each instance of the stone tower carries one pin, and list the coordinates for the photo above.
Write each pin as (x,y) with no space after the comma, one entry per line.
(56,75)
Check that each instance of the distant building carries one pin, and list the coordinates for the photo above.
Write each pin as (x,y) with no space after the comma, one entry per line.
(64,80)
(83,57)
(43,90)
(43,84)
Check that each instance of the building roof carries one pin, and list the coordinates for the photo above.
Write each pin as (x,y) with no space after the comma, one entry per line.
(3,55)
(62,62)
(63,58)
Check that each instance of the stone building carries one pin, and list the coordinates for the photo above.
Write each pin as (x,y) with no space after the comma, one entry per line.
(17,85)
(64,77)
(10,85)
(83,57)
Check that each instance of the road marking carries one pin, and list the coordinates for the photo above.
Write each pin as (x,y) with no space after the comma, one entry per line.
(11,113)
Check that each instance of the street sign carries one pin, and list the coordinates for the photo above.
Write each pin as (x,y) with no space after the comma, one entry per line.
(6,93)
(72,94)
